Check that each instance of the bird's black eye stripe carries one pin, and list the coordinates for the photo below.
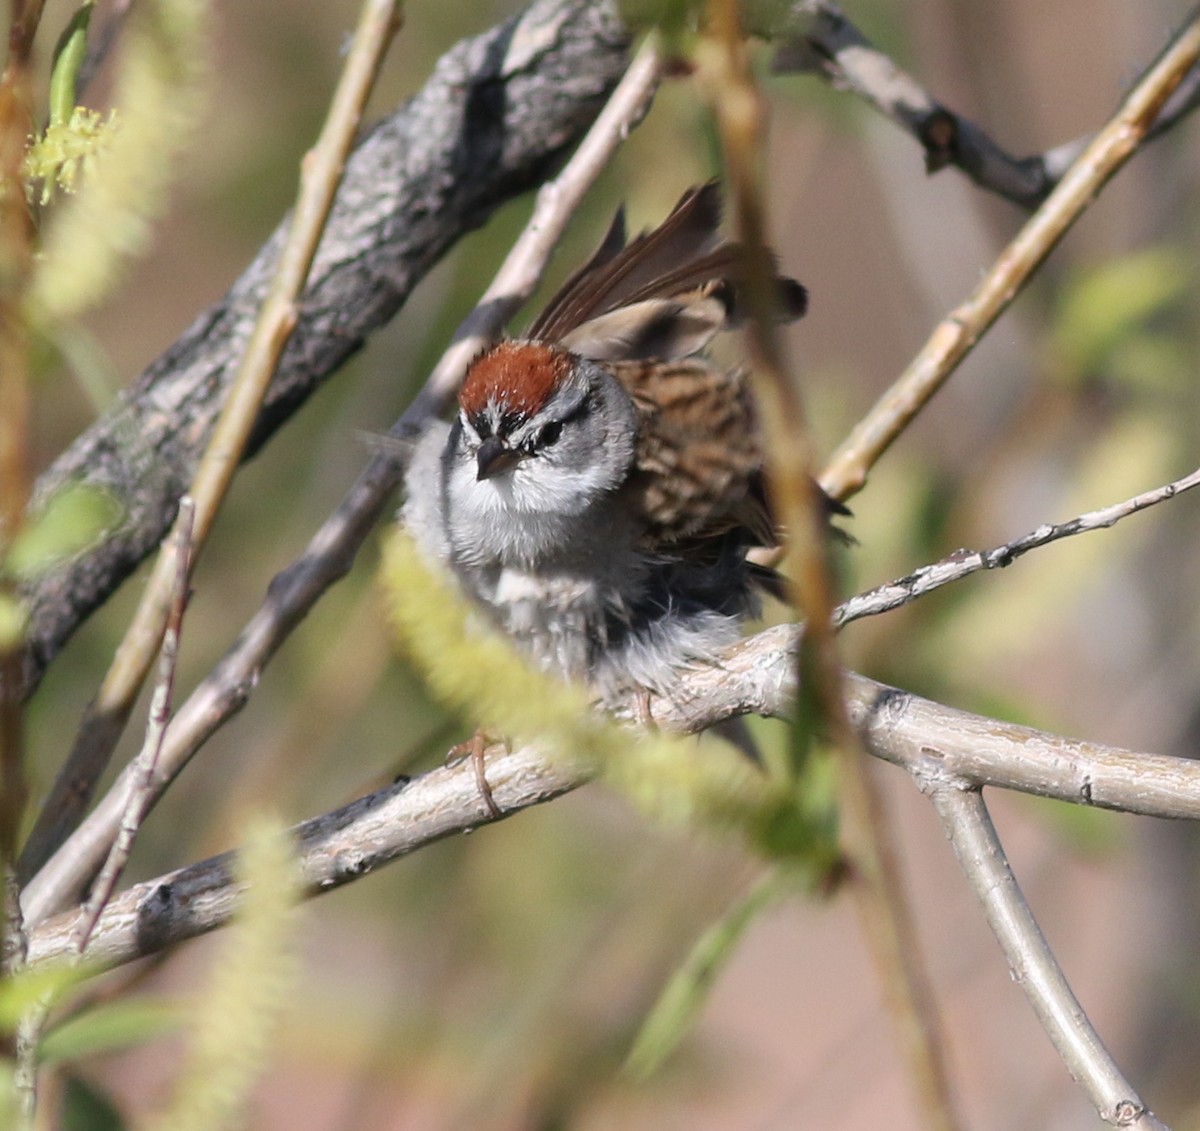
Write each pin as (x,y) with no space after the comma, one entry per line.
(547,435)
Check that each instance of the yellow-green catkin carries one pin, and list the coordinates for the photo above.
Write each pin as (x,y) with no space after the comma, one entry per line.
(119,172)
(478,672)
(238,1014)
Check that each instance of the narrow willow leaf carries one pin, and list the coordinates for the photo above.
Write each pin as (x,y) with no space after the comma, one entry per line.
(71,520)
(34,988)
(684,995)
(85,1107)
(108,1028)
(68,58)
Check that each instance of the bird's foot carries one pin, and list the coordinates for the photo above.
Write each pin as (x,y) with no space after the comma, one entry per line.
(475,748)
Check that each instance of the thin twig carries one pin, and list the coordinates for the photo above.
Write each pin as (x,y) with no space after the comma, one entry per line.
(971,832)
(138,802)
(331,551)
(866,833)
(957,334)
(33,1021)
(321,171)
(963,563)
(815,36)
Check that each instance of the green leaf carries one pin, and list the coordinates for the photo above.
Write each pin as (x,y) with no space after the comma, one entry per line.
(69,522)
(1111,303)
(86,1108)
(116,1025)
(30,989)
(68,58)
(686,992)
(13,616)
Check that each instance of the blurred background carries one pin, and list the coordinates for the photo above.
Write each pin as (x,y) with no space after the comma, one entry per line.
(496,981)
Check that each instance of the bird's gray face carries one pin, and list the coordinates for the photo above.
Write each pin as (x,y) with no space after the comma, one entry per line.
(575,444)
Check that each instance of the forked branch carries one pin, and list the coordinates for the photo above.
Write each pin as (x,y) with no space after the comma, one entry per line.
(815,36)
(971,832)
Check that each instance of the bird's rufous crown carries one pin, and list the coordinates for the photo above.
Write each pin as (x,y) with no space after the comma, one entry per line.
(520,376)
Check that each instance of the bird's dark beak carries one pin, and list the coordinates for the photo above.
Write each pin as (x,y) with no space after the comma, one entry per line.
(494,457)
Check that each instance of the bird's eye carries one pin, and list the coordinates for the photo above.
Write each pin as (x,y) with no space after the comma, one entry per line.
(549,434)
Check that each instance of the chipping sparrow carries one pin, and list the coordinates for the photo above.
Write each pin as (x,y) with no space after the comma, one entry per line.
(600,485)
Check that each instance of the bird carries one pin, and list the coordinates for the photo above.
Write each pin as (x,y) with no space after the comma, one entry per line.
(603,479)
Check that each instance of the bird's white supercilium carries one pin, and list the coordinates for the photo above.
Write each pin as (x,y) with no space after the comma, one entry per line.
(602,481)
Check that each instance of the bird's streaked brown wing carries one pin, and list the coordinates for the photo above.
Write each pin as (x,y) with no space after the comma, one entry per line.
(692,407)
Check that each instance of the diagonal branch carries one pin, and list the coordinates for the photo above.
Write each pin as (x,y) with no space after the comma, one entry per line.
(963,563)
(334,849)
(138,801)
(970,830)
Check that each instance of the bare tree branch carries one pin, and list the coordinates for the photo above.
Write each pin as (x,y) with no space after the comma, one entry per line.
(958,332)
(498,112)
(971,832)
(963,563)
(137,804)
(757,677)
(815,36)
(333,850)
